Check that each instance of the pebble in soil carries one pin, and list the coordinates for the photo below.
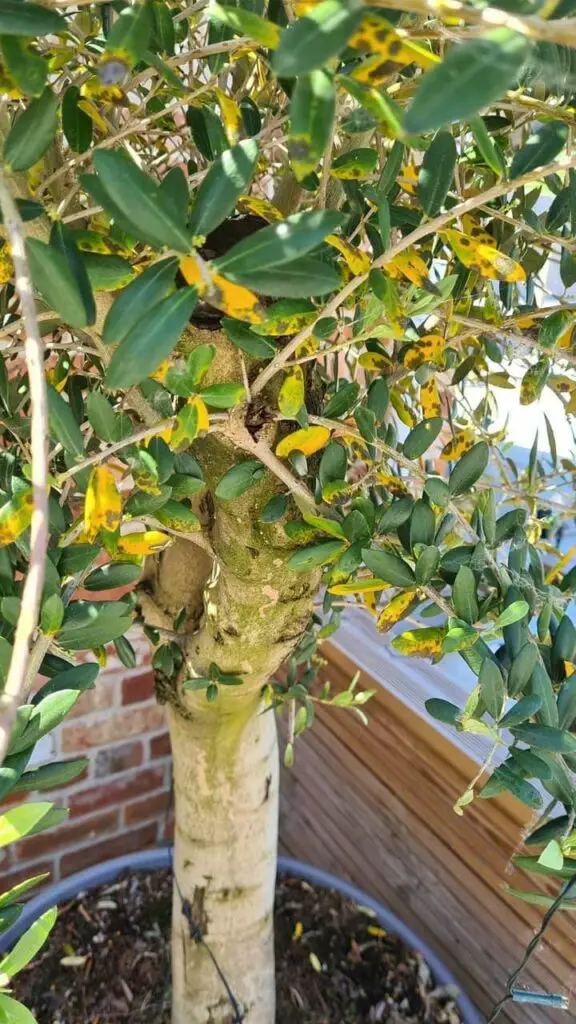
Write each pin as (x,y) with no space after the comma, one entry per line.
(107,962)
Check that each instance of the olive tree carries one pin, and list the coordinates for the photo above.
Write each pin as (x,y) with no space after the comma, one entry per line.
(266,269)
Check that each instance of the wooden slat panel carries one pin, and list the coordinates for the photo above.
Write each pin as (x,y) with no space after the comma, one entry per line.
(375,805)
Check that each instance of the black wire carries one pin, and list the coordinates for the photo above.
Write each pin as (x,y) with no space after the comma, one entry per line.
(531,948)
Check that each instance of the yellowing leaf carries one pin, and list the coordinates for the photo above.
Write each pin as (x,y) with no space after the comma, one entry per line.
(161,371)
(6,266)
(16,516)
(103,504)
(307,441)
(395,610)
(194,273)
(379,36)
(394,484)
(230,111)
(398,403)
(235,300)
(420,643)
(428,349)
(261,207)
(142,544)
(191,421)
(291,397)
(408,264)
(366,586)
(459,443)
(369,602)
(430,399)
(358,261)
(375,361)
(485,259)
(286,323)
(408,178)
(475,230)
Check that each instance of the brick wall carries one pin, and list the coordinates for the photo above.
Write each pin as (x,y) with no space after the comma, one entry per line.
(122,803)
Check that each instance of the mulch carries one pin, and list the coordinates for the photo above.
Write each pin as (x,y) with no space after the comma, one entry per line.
(107,962)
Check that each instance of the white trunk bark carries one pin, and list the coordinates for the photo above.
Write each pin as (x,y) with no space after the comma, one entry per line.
(226,793)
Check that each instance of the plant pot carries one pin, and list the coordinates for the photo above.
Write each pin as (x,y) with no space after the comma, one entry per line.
(152,860)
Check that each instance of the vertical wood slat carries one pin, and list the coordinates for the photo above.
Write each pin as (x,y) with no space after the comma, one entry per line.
(375,805)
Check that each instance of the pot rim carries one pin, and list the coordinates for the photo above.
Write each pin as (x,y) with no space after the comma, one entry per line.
(161,857)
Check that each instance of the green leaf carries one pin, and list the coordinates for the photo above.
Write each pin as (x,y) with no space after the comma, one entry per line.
(343,400)
(27,69)
(551,856)
(421,437)
(541,685)
(443,710)
(543,145)
(63,241)
(246,23)
(27,19)
(107,273)
(113,575)
(76,124)
(80,677)
(299,280)
(488,150)
(244,338)
(151,340)
(513,613)
(472,76)
(138,299)
(52,614)
(545,737)
(533,865)
(48,776)
(274,509)
(223,396)
(388,567)
(437,491)
(12,1012)
(469,468)
(464,596)
(56,283)
(310,42)
(11,770)
(522,668)
(141,201)
(522,711)
(19,821)
(436,173)
(32,134)
(396,514)
(522,790)
(130,33)
(29,944)
(208,132)
(427,564)
(539,899)
(567,703)
(239,478)
(228,177)
(277,244)
(63,426)
(46,715)
(355,164)
(102,418)
(312,108)
(88,624)
(11,895)
(492,687)
(306,559)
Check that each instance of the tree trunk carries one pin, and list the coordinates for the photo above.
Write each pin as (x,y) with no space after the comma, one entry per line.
(226,794)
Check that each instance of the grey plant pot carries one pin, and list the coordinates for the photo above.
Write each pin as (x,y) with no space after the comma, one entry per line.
(153,860)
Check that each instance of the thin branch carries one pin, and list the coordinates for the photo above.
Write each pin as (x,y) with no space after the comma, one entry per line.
(34,353)
(237,433)
(422,231)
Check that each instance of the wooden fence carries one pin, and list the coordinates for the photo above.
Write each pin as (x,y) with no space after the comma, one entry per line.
(375,805)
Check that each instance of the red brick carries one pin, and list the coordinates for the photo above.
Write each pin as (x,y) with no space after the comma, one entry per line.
(100,698)
(160,746)
(157,806)
(68,835)
(138,688)
(119,726)
(118,759)
(120,791)
(21,874)
(128,842)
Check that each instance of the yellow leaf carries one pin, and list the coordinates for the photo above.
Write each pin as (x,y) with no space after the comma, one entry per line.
(428,349)
(408,264)
(99,92)
(16,516)
(369,602)
(291,397)
(367,586)
(161,371)
(142,544)
(298,930)
(404,414)
(307,441)
(261,207)
(235,300)
(191,421)
(285,323)
(379,36)
(358,261)
(394,484)
(375,361)
(103,504)
(6,266)
(560,384)
(421,643)
(335,489)
(430,399)
(230,110)
(460,443)
(485,259)
(474,230)
(408,178)
(195,274)
(395,610)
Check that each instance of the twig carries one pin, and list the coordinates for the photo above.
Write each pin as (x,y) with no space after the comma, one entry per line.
(34,353)
(237,433)
(422,231)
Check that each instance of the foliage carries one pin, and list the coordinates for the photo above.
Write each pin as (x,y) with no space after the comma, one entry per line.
(363,202)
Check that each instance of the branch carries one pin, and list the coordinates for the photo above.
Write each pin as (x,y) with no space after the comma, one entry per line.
(34,353)
(422,231)
(237,433)
(561,31)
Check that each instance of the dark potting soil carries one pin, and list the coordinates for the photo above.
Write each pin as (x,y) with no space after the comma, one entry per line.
(108,962)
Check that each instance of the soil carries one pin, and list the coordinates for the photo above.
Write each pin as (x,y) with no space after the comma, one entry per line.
(107,962)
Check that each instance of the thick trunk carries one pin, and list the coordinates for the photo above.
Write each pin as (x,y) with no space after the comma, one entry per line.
(226,793)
